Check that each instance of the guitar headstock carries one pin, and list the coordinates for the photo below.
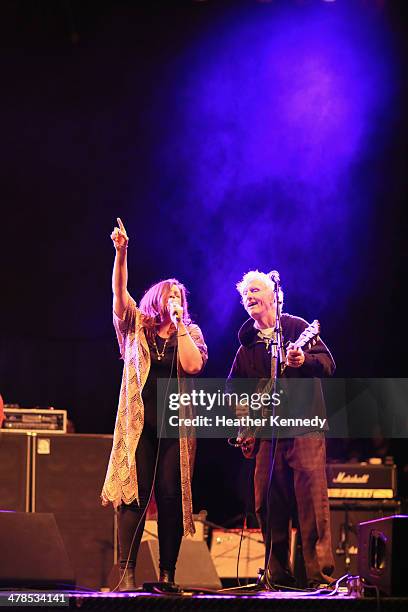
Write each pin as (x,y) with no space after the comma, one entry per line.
(309,337)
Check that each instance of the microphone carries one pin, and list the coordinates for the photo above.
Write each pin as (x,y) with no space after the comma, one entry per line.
(171,303)
(274,276)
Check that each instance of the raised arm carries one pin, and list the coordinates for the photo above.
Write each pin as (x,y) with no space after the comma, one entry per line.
(120,274)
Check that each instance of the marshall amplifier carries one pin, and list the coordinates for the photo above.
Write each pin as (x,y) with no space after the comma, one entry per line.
(361,481)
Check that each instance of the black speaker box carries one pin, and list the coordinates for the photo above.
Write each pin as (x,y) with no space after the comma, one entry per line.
(68,474)
(15,451)
(33,553)
(383,545)
(195,568)
(345,517)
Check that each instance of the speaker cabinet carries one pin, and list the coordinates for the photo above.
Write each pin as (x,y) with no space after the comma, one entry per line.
(345,517)
(15,450)
(68,474)
(383,545)
(34,553)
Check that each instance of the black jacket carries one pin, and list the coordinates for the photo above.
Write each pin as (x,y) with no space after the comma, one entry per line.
(254,361)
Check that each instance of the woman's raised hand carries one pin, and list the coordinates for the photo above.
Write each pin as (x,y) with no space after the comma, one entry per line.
(119,236)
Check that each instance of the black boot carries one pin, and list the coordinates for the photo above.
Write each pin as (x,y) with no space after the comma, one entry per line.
(166,576)
(127,579)
(167,580)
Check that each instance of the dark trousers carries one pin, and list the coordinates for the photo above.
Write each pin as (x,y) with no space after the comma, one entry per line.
(297,488)
(167,490)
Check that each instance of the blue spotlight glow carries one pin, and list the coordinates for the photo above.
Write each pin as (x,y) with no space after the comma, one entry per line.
(275,110)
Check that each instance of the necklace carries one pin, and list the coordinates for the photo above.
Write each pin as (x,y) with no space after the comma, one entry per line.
(160,354)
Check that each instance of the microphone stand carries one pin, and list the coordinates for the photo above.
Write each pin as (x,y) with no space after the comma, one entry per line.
(281,353)
(278,353)
(278,360)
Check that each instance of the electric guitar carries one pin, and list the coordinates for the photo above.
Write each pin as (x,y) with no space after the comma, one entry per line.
(248,442)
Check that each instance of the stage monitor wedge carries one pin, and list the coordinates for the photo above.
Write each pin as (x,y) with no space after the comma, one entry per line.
(195,568)
(383,545)
(345,519)
(33,552)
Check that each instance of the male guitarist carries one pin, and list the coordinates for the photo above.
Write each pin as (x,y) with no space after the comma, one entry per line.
(290,477)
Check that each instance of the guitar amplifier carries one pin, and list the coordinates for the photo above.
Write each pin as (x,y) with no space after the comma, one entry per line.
(34,420)
(361,481)
(226,545)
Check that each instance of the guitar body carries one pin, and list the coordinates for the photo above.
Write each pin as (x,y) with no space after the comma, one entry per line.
(250,446)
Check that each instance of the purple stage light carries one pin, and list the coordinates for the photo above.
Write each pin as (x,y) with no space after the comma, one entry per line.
(277,108)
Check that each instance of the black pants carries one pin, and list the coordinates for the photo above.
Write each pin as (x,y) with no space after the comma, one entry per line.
(167,490)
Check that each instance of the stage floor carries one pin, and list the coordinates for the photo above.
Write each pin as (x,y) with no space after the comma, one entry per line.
(214,602)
